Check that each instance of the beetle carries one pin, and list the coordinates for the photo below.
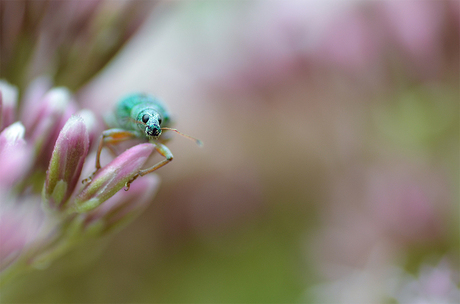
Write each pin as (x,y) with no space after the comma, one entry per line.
(139,116)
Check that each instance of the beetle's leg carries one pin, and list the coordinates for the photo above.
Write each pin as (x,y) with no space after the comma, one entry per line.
(165,152)
(111,136)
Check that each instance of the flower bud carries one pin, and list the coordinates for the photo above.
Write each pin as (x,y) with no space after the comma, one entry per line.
(123,207)
(55,109)
(15,157)
(92,124)
(110,179)
(12,136)
(66,163)
(32,100)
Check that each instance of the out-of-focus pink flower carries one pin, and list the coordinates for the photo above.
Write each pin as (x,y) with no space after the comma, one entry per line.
(383,283)
(273,42)
(432,284)
(407,201)
(73,40)
(34,92)
(43,125)
(417,26)
(399,204)
(348,43)
(20,225)
(15,156)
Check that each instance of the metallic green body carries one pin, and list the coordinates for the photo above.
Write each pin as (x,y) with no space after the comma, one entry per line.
(132,108)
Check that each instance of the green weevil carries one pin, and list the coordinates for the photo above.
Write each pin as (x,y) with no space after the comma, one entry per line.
(139,116)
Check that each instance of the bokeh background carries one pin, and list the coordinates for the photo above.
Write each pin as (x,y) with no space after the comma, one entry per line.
(330,166)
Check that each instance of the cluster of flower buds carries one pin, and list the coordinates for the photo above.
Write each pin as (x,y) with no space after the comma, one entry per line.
(45,209)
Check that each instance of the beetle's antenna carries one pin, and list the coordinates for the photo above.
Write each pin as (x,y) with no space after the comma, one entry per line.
(197,141)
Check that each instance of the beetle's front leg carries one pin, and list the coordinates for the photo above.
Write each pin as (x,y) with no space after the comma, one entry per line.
(111,136)
(165,152)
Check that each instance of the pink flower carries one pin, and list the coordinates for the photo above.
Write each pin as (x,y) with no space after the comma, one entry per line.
(45,137)
(41,162)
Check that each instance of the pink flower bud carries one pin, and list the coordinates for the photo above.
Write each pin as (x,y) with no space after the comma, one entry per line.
(12,136)
(66,163)
(45,123)
(112,178)
(92,124)
(15,157)
(123,207)
(32,100)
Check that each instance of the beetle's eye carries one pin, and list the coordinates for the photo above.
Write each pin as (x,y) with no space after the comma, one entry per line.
(160,120)
(145,118)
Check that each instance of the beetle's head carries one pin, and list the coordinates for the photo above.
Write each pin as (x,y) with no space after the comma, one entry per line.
(152,124)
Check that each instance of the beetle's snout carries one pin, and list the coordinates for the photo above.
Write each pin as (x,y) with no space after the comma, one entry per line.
(153,131)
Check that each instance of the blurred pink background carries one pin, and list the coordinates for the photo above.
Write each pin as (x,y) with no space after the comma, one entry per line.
(330,166)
